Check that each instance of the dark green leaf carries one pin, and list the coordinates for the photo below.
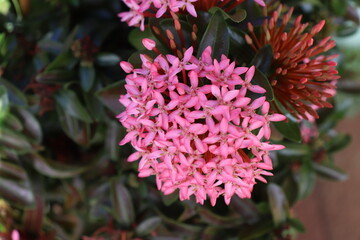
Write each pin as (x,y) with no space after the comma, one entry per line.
(306,180)
(32,126)
(261,80)
(15,95)
(17,193)
(53,169)
(11,170)
(263,59)
(278,203)
(238,16)
(55,76)
(4,103)
(11,139)
(87,76)
(289,129)
(148,226)
(295,150)
(122,203)
(136,36)
(216,36)
(62,61)
(170,198)
(109,96)
(12,122)
(214,219)
(331,172)
(337,142)
(297,224)
(245,208)
(70,103)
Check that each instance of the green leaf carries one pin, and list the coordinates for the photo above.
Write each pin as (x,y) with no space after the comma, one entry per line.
(55,76)
(62,62)
(295,150)
(216,36)
(237,17)
(337,142)
(31,125)
(330,172)
(122,203)
(4,103)
(278,203)
(109,96)
(216,220)
(305,179)
(136,36)
(70,103)
(54,169)
(14,140)
(16,193)
(339,7)
(11,170)
(170,198)
(87,77)
(148,226)
(245,208)
(13,122)
(15,95)
(105,59)
(297,224)
(289,129)
(263,59)
(261,80)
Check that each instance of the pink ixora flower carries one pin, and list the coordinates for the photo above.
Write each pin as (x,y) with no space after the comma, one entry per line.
(140,9)
(193,126)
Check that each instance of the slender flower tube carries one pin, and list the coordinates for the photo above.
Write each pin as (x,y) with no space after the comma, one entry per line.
(302,78)
(193,126)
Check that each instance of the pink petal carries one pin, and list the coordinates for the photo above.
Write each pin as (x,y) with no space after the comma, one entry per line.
(149,44)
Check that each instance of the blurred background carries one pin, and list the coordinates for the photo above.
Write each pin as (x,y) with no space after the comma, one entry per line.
(63,175)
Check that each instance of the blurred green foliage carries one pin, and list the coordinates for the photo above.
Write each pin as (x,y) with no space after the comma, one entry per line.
(62,173)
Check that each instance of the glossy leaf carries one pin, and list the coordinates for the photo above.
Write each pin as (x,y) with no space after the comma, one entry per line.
(263,59)
(238,16)
(68,100)
(109,96)
(12,122)
(306,180)
(106,59)
(297,224)
(261,80)
(289,129)
(55,76)
(331,172)
(214,219)
(53,169)
(12,170)
(122,203)
(32,126)
(278,203)
(4,103)
(147,226)
(216,36)
(87,77)
(14,140)
(61,62)
(14,94)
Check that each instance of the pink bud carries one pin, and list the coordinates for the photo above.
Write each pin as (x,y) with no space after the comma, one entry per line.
(148,43)
(126,66)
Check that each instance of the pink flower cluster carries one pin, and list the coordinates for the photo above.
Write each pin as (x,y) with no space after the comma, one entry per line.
(193,126)
(140,9)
